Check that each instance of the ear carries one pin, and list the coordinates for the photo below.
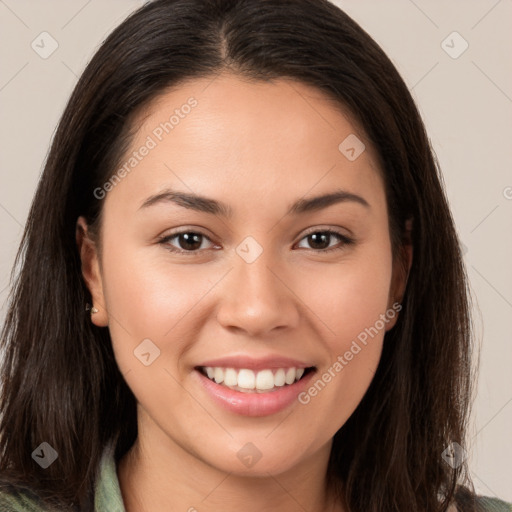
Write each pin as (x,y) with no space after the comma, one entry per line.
(91,272)
(401,268)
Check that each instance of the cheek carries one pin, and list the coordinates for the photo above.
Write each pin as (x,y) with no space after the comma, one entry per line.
(351,295)
(351,301)
(353,313)
(149,298)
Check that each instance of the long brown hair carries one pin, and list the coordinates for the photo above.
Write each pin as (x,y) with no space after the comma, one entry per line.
(60,381)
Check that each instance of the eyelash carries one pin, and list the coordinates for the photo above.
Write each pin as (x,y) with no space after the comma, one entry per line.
(344,239)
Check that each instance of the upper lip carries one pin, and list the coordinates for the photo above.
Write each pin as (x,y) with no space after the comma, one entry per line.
(251,363)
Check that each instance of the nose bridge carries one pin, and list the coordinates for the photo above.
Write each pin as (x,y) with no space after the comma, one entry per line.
(253,271)
(257,286)
(256,300)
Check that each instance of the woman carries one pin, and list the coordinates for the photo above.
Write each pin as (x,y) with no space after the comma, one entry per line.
(240,285)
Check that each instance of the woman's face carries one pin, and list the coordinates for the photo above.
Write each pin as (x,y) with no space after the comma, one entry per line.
(259,288)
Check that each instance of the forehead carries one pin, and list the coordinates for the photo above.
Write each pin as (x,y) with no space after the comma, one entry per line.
(259,139)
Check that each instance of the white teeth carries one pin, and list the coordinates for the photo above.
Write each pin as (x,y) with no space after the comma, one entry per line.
(218,375)
(290,376)
(230,377)
(265,380)
(279,378)
(245,379)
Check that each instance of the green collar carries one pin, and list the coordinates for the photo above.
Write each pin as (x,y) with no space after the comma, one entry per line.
(107,492)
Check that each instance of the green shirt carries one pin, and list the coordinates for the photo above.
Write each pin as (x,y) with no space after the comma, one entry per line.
(108,493)
(108,496)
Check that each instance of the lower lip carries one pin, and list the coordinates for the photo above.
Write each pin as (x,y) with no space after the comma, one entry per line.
(254,404)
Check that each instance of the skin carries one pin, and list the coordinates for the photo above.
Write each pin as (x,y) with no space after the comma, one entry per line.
(248,145)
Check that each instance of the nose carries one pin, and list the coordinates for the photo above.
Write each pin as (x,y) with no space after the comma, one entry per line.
(257,298)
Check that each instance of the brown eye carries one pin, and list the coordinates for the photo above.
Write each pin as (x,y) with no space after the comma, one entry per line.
(320,240)
(187,242)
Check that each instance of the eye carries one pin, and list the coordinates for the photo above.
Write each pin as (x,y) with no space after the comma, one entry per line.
(191,241)
(321,237)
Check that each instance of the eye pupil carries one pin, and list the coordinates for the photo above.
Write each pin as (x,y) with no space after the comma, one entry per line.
(319,237)
(193,239)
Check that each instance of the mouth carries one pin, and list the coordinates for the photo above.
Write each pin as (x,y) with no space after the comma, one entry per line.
(246,380)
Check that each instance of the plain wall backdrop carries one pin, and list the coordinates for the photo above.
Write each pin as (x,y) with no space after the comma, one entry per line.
(455,58)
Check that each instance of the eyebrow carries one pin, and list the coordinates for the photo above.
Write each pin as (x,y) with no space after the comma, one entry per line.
(214,207)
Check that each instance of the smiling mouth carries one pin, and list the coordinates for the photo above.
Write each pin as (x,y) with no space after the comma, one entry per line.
(248,381)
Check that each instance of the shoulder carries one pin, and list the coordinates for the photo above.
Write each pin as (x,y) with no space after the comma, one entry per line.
(12,500)
(481,504)
(488,504)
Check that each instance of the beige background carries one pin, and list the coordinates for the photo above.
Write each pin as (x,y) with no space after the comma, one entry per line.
(466,103)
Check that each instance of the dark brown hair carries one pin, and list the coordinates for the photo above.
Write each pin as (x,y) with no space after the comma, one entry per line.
(60,380)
